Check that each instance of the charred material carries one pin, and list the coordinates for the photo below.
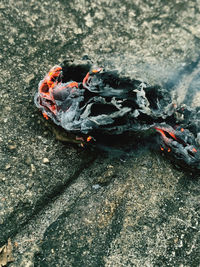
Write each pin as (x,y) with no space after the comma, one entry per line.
(101,102)
(180,143)
(189,118)
(90,102)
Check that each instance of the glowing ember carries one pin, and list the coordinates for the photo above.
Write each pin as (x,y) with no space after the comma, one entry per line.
(45,116)
(89,138)
(93,102)
(180,143)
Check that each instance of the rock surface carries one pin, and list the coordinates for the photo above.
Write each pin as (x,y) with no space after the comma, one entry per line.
(62,205)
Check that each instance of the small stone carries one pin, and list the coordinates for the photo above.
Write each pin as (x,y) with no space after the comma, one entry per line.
(88,21)
(8,108)
(77,31)
(96,186)
(45,160)
(11,40)
(8,166)
(12,147)
(32,168)
(176,240)
(110,166)
(28,160)
(29,78)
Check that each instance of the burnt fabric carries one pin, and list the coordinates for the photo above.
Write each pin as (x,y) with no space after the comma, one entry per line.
(87,101)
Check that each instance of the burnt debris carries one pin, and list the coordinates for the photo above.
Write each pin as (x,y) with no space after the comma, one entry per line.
(91,102)
(180,143)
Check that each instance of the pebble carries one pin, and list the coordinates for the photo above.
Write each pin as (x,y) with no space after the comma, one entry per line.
(96,186)
(12,147)
(28,160)
(7,108)
(29,78)
(32,168)
(8,166)
(45,160)
(88,21)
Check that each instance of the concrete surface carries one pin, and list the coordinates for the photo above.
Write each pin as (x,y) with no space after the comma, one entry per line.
(65,206)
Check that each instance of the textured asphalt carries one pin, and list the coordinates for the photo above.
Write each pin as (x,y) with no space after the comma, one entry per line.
(62,205)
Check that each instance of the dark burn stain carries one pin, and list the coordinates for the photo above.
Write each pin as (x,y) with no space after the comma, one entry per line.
(93,103)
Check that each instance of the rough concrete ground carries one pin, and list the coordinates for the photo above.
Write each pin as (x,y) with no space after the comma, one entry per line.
(65,206)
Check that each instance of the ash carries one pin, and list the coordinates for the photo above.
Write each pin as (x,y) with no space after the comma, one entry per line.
(91,102)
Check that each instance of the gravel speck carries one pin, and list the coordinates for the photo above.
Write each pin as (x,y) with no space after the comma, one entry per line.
(45,160)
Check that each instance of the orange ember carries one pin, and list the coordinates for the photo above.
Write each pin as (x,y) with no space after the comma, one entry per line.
(97,70)
(89,138)
(45,116)
(172,135)
(164,134)
(86,78)
(73,84)
(161,131)
(53,73)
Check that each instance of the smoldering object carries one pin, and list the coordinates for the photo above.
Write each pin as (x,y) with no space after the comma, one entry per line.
(89,102)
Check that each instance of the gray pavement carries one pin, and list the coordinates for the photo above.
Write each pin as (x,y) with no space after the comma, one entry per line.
(62,205)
